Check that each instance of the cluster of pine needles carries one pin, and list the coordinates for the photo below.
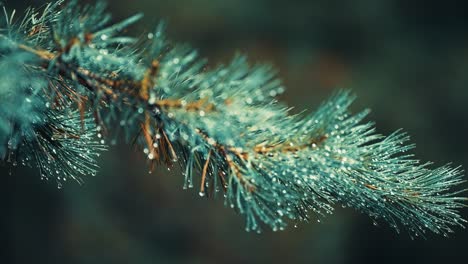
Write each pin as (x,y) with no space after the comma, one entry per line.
(70,83)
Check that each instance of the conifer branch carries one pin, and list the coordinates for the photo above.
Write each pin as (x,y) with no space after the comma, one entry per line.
(68,74)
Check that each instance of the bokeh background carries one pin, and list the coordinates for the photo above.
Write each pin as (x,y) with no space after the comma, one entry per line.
(407,60)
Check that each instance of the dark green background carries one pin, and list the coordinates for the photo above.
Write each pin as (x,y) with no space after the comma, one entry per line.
(407,60)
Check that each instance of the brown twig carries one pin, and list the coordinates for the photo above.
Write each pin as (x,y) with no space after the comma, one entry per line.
(205,169)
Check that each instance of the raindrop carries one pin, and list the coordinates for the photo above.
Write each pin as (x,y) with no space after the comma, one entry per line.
(211,141)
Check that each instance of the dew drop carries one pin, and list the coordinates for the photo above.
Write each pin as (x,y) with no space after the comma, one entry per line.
(211,141)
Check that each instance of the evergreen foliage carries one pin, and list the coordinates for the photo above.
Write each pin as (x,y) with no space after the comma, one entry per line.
(70,83)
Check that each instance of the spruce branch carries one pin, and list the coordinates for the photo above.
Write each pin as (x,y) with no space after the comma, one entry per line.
(67,75)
